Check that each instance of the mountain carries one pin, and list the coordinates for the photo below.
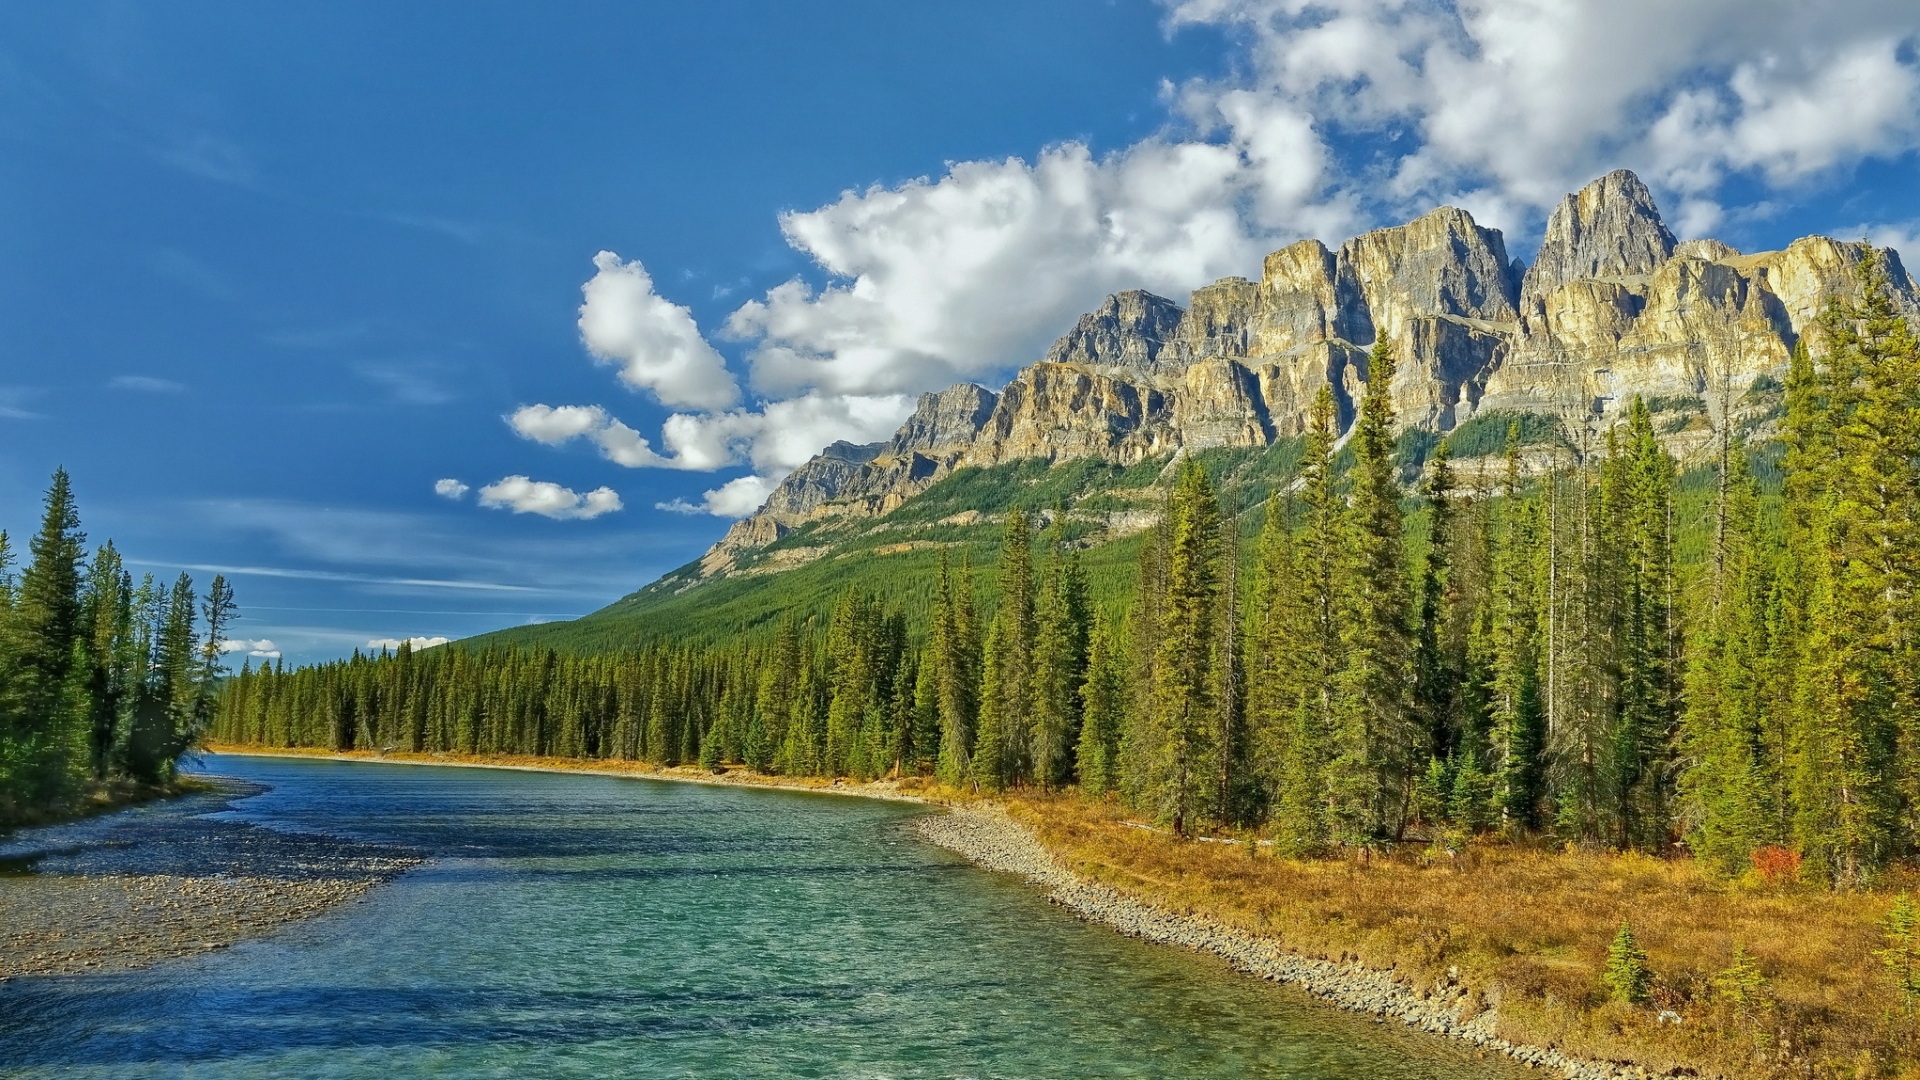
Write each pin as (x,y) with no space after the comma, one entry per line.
(1611,308)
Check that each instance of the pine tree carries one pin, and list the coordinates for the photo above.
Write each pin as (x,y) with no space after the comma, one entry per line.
(1179,787)
(956,660)
(1852,433)
(1724,725)
(1515,730)
(1375,745)
(1626,976)
(1060,658)
(1642,505)
(1302,584)
(1104,698)
(1007,689)
(41,743)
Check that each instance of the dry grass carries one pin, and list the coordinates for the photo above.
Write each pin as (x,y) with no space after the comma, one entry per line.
(1529,929)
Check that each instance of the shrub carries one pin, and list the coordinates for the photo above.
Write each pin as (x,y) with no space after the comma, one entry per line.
(1776,865)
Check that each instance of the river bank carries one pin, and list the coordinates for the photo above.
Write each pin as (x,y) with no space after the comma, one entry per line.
(988,836)
(164,880)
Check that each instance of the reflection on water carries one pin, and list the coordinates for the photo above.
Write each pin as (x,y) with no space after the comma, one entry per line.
(588,926)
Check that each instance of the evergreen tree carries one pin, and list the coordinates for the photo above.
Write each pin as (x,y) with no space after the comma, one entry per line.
(1104,698)
(1178,784)
(1370,770)
(1003,755)
(1515,727)
(40,744)
(1060,658)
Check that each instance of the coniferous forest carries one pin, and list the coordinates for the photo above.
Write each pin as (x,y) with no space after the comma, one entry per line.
(1532,654)
(102,680)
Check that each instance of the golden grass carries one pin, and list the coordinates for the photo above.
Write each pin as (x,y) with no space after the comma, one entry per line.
(1528,929)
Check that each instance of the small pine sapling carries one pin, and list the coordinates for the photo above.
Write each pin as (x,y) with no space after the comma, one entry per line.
(1901,957)
(1627,977)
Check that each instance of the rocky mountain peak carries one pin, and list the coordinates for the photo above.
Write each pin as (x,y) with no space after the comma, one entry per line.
(1610,228)
(943,421)
(1128,330)
(1442,263)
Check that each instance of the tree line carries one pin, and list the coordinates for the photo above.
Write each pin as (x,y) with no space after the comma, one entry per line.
(101,679)
(1525,655)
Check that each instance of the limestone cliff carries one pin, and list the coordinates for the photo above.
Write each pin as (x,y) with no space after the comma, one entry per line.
(1611,308)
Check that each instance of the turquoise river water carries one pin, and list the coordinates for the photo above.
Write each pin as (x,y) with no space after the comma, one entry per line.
(582,926)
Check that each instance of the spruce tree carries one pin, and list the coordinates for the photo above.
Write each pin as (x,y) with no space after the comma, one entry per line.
(1375,743)
(1104,699)
(1060,658)
(41,744)
(1515,727)
(1179,784)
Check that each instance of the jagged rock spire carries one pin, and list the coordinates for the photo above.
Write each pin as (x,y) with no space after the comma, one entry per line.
(1610,228)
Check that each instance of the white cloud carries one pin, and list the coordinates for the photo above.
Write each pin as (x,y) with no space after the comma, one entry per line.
(261,647)
(449,488)
(938,281)
(416,643)
(1515,102)
(774,441)
(555,425)
(739,497)
(653,340)
(1901,236)
(525,496)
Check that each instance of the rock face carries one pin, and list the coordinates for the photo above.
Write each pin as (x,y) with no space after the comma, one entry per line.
(1607,229)
(1611,308)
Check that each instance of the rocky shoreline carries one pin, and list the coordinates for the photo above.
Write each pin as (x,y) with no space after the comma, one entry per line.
(167,880)
(986,835)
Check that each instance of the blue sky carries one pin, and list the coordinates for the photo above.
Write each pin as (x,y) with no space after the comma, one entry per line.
(270,272)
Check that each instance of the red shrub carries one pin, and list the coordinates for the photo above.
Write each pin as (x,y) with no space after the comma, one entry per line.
(1776,865)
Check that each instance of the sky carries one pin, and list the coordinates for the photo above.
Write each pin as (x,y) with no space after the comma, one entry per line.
(422,320)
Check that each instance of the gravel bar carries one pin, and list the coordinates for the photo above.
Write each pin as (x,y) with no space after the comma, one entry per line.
(166,880)
(987,836)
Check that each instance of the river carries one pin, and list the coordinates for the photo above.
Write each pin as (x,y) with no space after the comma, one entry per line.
(584,926)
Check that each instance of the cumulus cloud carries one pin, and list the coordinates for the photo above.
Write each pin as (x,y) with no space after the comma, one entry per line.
(449,488)
(415,643)
(555,425)
(1513,102)
(653,340)
(525,496)
(260,647)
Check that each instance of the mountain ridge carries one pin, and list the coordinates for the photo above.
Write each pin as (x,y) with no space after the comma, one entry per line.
(1612,307)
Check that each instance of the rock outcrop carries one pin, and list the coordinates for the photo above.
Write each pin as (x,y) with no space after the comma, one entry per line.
(1611,309)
